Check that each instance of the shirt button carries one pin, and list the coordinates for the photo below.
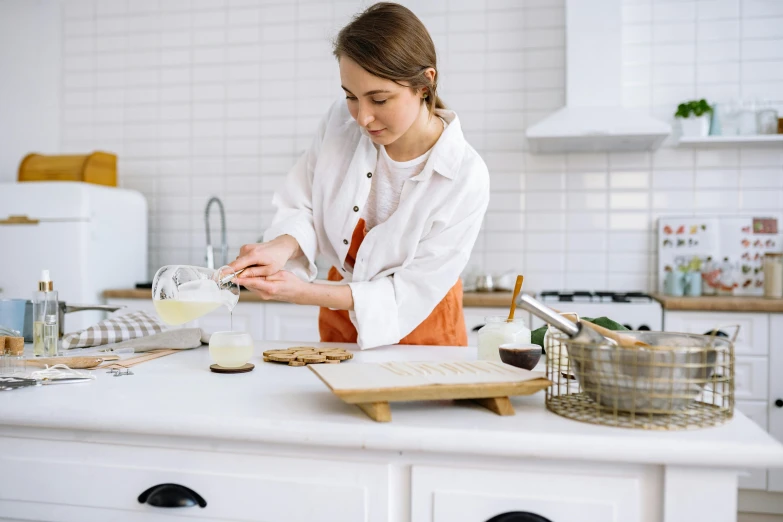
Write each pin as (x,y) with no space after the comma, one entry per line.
(369,174)
(356,209)
(345,241)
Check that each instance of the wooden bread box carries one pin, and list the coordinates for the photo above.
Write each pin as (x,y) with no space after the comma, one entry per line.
(99,168)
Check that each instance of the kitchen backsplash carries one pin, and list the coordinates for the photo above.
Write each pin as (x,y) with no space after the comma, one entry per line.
(204,98)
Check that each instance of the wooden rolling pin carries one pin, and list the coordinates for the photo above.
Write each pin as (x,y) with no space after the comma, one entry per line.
(626,341)
(76,363)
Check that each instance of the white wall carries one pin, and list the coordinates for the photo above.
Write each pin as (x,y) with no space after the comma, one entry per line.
(216,97)
(30,76)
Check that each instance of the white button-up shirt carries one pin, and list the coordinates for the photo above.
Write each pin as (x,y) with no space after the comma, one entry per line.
(405,265)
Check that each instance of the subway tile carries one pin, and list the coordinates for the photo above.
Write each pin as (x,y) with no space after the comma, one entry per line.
(537,181)
(717,178)
(587,242)
(673,200)
(761,200)
(545,221)
(508,201)
(548,261)
(629,180)
(504,242)
(673,179)
(506,181)
(592,221)
(546,201)
(718,51)
(765,49)
(544,242)
(717,9)
(722,200)
(581,280)
(629,200)
(671,32)
(628,263)
(500,262)
(579,201)
(586,262)
(629,221)
(768,178)
(718,30)
(767,27)
(629,241)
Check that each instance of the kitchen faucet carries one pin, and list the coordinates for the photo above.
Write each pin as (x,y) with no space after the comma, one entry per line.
(223,244)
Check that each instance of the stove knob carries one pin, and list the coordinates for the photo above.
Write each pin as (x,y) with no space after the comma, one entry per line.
(628,326)
(644,328)
(779,403)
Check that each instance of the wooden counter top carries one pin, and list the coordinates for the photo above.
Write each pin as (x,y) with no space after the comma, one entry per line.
(469,299)
(721,304)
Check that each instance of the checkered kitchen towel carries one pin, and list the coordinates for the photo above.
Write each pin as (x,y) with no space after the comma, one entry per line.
(114,330)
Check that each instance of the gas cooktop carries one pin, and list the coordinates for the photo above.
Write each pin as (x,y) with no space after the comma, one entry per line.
(586,296)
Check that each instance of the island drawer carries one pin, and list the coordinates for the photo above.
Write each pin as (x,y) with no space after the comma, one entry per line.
(558,494)
(51,481)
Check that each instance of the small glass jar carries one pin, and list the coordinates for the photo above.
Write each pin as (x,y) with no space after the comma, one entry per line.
(498,330)
(773,274)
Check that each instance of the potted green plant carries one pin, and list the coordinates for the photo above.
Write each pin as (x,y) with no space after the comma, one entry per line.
(694,117)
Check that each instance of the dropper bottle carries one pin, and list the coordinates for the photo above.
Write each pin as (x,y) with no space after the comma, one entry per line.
(45,310)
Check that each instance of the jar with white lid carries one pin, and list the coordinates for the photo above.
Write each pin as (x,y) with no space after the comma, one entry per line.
(498,330)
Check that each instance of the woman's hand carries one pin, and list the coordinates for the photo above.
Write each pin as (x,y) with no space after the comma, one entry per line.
(280,286)
(264,259)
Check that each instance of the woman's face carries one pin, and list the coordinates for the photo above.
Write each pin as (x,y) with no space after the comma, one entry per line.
(387,110)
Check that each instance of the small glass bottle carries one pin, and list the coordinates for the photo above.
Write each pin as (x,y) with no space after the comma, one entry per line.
(498,330)
(44,304)
(15,351)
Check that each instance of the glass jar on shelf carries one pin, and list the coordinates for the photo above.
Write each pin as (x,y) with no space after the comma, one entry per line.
(498,330)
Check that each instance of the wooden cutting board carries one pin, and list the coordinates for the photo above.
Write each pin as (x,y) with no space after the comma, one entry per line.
(372,386)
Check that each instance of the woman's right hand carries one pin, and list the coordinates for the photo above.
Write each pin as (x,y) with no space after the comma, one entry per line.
(264,259)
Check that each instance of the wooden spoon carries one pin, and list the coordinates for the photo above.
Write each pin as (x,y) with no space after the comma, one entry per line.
(626,341)
(517,289)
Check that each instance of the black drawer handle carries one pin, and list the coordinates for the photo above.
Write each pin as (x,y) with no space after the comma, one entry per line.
(477,328)
(518,516)
(171,496)
(779,403)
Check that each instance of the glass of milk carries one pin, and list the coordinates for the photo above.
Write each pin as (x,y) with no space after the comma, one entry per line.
(497,331)
(230,349)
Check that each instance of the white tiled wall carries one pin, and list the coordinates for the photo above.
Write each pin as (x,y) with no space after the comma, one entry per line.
(217,97)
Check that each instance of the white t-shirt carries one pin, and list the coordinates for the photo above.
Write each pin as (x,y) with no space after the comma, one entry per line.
(387,185)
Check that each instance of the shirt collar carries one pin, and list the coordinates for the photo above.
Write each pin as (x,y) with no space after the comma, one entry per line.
(446,156)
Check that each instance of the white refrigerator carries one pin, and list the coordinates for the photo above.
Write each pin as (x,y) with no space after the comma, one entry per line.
(90,238)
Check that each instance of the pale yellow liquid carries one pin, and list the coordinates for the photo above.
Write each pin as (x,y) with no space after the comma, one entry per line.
(230,355)
(175,312)
(38,341)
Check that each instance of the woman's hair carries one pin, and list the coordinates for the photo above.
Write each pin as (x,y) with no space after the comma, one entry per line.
(389,41)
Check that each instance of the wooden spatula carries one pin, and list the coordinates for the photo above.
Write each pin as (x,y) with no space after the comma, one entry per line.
(76,363)
(517,289)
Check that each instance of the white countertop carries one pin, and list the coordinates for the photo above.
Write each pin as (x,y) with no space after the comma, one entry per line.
(179,396)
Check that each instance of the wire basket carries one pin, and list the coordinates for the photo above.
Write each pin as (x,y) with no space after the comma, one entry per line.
(682,381)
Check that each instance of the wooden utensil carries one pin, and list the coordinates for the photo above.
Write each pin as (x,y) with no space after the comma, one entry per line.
(76,363)
(517,289)
(626,341)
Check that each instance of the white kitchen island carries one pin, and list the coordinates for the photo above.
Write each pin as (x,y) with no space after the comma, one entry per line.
(275,445)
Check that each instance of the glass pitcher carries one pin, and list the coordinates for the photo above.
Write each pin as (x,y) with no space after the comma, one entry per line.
(182,293)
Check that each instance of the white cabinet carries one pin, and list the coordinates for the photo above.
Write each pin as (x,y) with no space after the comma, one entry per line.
(287,322)
(99,482)
(758,363)
(757,412)
(753,332)
(774,407)
(560,495)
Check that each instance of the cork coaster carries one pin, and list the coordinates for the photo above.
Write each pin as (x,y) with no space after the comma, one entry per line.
(304,355)
(242,369)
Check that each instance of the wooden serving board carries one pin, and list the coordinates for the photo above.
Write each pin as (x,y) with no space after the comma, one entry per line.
(372,386)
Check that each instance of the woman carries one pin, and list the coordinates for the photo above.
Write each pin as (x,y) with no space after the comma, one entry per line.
(389,192)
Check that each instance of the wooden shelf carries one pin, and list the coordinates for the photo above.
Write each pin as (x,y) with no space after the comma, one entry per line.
(713,142)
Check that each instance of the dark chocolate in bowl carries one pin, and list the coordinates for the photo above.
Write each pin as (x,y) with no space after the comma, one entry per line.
(525,356)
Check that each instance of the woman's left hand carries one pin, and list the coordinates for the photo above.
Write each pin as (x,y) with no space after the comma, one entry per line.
(280,286)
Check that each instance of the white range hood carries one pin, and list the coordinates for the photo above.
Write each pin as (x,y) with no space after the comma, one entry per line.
(593,118)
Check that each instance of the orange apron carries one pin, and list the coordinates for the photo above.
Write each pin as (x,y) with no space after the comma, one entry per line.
(445,326)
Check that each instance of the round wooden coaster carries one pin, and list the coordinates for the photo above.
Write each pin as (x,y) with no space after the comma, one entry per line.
(242,369)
